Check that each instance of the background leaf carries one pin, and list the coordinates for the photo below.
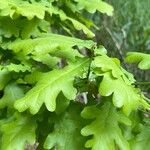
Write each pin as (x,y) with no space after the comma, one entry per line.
(66,134)
(17,132)
(105,130)
(12,92)
(143,60)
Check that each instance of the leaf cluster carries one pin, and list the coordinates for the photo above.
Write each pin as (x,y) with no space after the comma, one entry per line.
(58,90)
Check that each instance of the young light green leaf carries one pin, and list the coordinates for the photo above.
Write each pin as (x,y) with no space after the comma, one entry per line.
(105,130)
(129,76)
(118,82)
(108,64)
(124,95)
(143,60)
(103,64)
(17,132)
(66,134)
(50,85)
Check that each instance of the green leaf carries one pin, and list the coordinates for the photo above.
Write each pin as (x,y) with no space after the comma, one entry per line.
(142,139)
(66,134)
(22,27)
(143,60)
(50,85)
(48,60)
(33,77)
(80,26)
(61,103)
(118,82)
(19,7)
(17,132)
(105,130)
(16,67)
(33,27)
(56,45)
(77,25)
(124,95)
(15,8)
(12,92)
(93,5)
(129,75)
(8,28)
(108,64)
(4,78)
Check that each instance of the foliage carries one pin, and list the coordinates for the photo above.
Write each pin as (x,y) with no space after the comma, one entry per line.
(58,90)
(18,127)
(127,30)
(66,133)
(142,139)
(105,127)
(142,59)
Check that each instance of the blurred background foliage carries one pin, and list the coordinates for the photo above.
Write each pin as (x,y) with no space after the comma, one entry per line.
(127,30)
